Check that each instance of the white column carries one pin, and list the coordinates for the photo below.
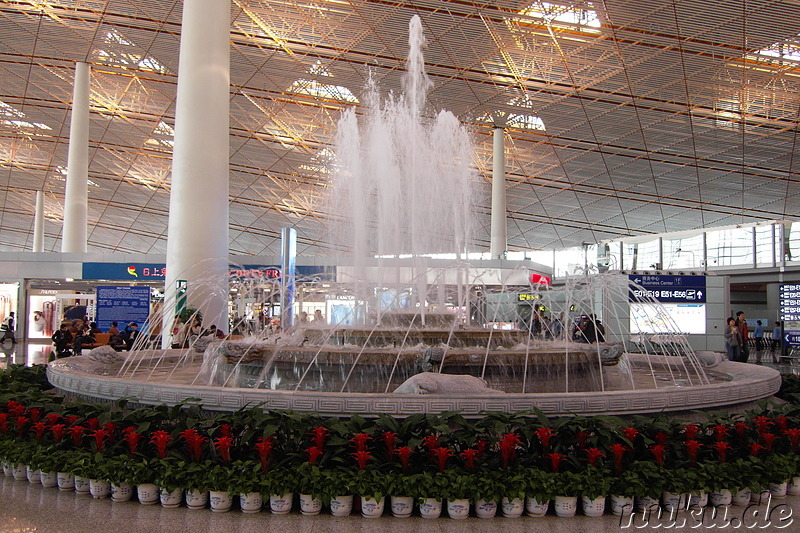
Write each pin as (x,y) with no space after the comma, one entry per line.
(499,238)
(76,194)
(38,223)
(197,238)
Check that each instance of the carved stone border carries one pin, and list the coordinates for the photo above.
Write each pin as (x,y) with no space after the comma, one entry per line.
(747,383)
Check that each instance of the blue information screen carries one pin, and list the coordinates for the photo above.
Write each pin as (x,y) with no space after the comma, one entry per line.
(123,305)
(667,289)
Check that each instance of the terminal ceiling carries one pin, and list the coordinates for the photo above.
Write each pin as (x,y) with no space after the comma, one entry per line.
(623,117)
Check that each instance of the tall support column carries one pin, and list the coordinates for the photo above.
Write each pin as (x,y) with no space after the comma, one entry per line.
(38,223)
(76,194)
(499,236)
(288,263)
(197,238)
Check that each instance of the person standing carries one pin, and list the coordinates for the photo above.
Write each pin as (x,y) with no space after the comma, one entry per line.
(8,328)
(744,339)
(758,335)
(732,339)
(776,337)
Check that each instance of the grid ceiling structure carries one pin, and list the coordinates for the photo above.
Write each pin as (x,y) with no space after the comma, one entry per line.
(623,117)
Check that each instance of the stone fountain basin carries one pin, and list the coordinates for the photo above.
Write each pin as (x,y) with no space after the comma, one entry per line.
(737,383)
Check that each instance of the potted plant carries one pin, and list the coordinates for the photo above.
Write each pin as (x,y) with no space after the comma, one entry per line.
(372,485)
(246,483)
(651,481)
(566,486)
(280,484)
(460,486)
(594,484)
(429,489)
(487,489)
(338,490)
(778,469)
(539,491)
(623,489)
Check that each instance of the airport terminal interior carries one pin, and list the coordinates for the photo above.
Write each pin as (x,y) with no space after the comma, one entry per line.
(484,183)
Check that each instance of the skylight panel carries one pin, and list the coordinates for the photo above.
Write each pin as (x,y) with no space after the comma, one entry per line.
(11,116)
(121,51)
(323,90)
(569,15)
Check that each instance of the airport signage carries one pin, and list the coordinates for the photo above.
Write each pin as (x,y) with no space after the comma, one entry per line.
(667,289)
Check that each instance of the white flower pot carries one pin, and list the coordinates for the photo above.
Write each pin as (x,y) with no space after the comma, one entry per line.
(794,486)
(485,508)
(310,505)
(342,505)
(99,488)
(65,481)
(621,505)
(536,509)
(402,506)
(81,485)
(430,508)
(741,497)
(33,475)
(372,508)
(196,499)
(20,472)
(593,506)
(148,493)
(171,499)
(221,501)
(721,497)
(644,503)
(121,493)
(512,508)
(759,497)
(281,503)
(49,479)
(673,501)
(778,490)
(458,509)
(8,469)
(698,500)
(251,502)
(565,506)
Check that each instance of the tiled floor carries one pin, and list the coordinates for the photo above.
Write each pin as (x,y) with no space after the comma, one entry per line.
(27,508)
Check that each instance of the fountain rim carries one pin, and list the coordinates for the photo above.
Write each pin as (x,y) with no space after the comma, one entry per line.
(746,383)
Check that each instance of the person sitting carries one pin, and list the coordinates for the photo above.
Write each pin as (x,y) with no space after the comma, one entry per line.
(132,334)
(93,328)
(83,339)
(62,339)
(113,330)
(8,328)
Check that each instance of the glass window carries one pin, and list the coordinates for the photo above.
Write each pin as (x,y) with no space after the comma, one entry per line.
(792,241)
(570,261)
(728,247)
(766,248)
(641,256)
(684,253)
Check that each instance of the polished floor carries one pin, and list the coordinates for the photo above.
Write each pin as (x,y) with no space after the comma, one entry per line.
(26,507)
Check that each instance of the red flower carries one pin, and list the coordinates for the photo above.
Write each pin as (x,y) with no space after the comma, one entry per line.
(630,433)
(92,423)
(762,423)
(15,408)
(582,437)
(4,422)
(441,454)
(39,429)
(58,432)
(769,440)
(194,442)
(658,451)
(314,453)
(71,419)
(508,447)
(661,437)
(318,436)
(111,427)
(783,423)
(470,456)
(618,450)
(722,448)
(720,432)
(794,438)
(389,438)
(741,428)
(129,429)
(264,448)
(362,456)
(76,432)
(543,434)
(594,455)
(132,439)
(555,461)
(481,446)
(692,449)
(431,442)
(161,439)
(755,448)
(224,430)
(404,453)
(52,418)
(690,430)
(100,437)
(35,414)
(360,440)
(223,446)
(21,422)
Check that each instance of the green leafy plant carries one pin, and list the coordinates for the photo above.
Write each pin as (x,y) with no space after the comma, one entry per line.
(594,482)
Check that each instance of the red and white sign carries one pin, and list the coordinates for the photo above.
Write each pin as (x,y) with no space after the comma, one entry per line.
(539,279)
